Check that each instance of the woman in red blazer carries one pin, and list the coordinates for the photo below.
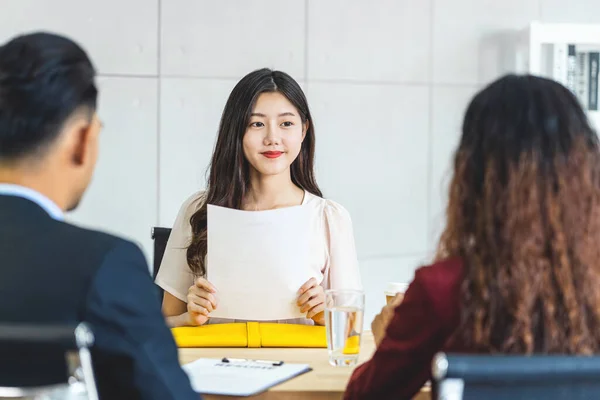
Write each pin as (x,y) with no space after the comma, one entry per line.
(518,264)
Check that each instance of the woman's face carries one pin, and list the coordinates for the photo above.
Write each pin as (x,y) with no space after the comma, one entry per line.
(274,135)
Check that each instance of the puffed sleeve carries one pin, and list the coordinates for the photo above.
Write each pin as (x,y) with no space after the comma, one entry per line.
(174,275)
(343,271)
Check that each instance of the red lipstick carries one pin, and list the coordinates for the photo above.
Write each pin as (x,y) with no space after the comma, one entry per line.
(272,154)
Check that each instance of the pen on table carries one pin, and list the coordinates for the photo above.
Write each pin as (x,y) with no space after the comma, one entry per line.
(239,360)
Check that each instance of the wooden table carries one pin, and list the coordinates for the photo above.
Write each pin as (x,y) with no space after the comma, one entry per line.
(324,382)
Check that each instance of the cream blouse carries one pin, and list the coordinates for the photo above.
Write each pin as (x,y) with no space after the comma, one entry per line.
(333,252)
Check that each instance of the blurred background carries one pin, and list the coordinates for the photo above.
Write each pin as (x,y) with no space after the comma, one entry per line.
(387,81)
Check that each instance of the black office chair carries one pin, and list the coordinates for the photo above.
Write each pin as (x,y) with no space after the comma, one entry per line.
(46,362)
(468,377)
(160,237)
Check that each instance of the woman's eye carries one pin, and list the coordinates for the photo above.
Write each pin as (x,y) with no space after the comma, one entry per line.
(257,124)
(288,123)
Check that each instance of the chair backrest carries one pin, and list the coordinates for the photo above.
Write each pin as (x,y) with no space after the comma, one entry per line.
(160,237)
(466,377)
(46,361)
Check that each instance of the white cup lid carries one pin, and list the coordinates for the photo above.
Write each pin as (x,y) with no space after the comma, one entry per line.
(394,288)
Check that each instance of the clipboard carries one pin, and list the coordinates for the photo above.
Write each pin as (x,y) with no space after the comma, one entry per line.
(240,377)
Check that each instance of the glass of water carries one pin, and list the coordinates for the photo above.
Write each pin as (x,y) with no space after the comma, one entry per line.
(344,311)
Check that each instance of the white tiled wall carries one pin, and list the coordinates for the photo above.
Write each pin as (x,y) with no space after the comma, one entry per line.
(124,193)
(449,103)
(231,38)
(190,110)
(375,132)
(387,81)
(361,40)
(464,33)
(121,35)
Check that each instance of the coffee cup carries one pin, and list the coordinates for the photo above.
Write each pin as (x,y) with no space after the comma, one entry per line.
(394,289)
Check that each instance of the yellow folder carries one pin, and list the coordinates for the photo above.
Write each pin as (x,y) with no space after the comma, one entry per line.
(251,334)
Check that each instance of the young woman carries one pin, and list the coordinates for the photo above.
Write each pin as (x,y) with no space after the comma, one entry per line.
(518,267)
(263,160)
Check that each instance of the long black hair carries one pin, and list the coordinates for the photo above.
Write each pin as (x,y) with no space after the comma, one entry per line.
(229,177)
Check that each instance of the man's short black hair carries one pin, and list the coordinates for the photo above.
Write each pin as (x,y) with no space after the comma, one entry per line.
(44,79)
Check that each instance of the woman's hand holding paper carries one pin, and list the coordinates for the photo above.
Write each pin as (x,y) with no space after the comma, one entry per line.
(201,301)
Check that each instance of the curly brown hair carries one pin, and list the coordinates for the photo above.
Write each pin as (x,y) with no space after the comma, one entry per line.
(524,216)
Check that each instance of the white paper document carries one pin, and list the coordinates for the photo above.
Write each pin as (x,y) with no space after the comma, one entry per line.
(258,260)
(239,378)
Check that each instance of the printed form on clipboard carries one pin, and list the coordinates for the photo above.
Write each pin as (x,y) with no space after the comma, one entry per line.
(239,377)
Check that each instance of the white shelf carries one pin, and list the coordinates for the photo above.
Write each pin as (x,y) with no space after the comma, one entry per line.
(540,33)
(594,117)
(531,40)
(534,45)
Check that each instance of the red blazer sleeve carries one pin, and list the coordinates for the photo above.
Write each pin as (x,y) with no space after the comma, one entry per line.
(402,363)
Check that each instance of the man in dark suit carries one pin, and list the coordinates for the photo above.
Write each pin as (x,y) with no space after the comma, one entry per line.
(54,272)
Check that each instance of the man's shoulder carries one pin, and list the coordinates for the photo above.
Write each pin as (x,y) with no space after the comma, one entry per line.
(94,241)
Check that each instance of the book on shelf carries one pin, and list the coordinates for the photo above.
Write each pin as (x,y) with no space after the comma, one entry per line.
(558,63)
(571,68)
(577,68)
(594,59)
(582,78)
